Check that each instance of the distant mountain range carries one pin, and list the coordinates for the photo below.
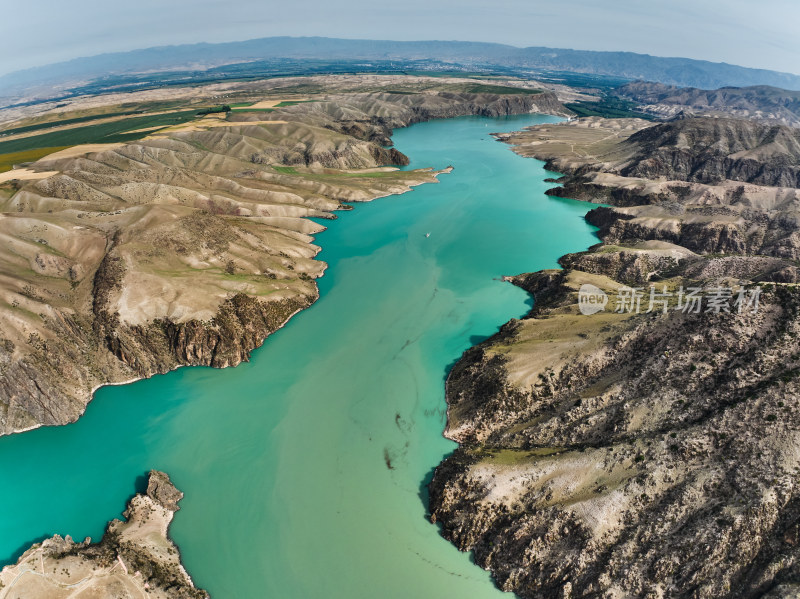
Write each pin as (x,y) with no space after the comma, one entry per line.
(58,78)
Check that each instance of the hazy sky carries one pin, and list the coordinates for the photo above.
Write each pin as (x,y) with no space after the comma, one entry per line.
(756,34)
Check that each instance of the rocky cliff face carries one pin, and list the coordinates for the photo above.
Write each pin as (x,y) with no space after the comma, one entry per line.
(632,265)
(710,150)
(711,185)
(135,557)
(373,116)
(649,453)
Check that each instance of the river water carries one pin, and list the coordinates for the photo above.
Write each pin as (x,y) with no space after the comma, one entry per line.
(304,469)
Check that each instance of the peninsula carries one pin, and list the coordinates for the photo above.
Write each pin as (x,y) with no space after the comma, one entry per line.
(135,558)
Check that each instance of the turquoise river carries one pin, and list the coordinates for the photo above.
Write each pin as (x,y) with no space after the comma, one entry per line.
(283,460)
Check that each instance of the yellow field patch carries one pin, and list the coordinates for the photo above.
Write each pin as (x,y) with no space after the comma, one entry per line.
(24,174)
(81,149)
(272,103)
(204,125)
(7,161)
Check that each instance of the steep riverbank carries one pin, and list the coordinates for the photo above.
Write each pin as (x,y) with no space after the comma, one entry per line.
(712,185)
(646,451)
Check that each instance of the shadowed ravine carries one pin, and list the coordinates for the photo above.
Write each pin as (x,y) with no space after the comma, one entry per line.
(303,468)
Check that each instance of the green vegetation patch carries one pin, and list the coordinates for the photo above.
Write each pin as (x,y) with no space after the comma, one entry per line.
(610,108)
(450,74)
(114,132)
(214,110)
(85,115)
(65,122)
(292,103)
(377,175)
(511,457)
(329,174)
(7,161)
(485,88)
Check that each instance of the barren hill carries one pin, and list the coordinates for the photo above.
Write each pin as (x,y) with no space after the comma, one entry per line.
(760,102)
(711,185)
(189,246)
(709,150)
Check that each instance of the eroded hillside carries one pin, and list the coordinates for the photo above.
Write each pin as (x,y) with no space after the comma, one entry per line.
(711,185)
(189,246)
(761,102)
(648,449)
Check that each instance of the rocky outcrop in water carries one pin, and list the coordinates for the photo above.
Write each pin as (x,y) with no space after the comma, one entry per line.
(135,557)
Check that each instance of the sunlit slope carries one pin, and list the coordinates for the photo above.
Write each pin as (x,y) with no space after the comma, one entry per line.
(188,246)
